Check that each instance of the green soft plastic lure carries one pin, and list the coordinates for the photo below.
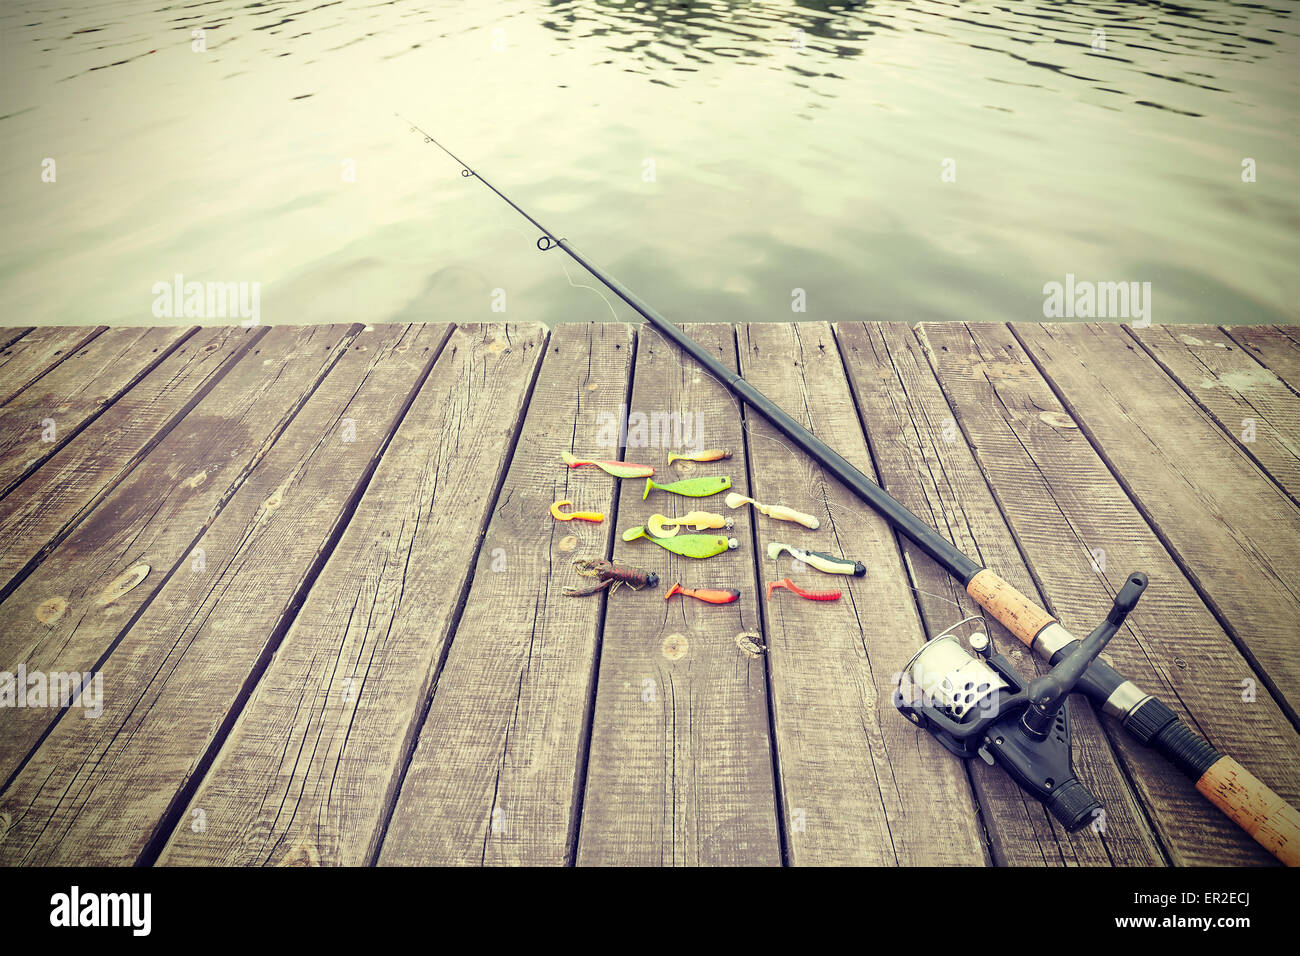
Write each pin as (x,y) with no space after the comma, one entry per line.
(619,469)
(687,545)
(691,487)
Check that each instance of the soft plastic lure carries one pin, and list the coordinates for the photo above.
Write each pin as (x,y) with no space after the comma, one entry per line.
(713,454)
(662,526)
(687,545)
(619,469)
(708,595)
(559,515)
(818,559)
(610,575)
(691,487)
(810,595)
(774,511)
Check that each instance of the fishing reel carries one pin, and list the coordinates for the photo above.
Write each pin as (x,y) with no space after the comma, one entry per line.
(978,706)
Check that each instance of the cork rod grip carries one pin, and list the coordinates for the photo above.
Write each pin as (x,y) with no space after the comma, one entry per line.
(1273,822)
(1021,616)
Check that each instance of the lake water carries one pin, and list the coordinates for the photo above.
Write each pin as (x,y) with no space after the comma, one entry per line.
(912,161)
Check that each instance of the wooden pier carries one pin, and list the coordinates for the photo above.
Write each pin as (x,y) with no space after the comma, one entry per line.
(315,572)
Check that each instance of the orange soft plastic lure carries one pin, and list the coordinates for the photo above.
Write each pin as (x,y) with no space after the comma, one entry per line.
(559,515)
(713,454)
(708,595)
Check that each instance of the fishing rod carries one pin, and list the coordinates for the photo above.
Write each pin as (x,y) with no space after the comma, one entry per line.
(975,704)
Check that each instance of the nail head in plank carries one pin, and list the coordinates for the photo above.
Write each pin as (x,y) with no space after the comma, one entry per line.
(859,784)
(8,336)
(680,766)
(494,776)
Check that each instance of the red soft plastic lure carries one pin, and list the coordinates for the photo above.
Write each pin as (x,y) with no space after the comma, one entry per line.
(810,595)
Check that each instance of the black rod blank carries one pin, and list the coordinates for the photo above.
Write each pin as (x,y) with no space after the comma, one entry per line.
(949,557)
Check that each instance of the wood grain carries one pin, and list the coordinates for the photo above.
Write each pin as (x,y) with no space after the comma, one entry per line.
(344,677)
(1232,530)
(860,785)
(25,360)
(680,764)
(311,768)
(1253,407)
(103,790)
(1276,347)
(495,776)
(925,462)
(41,511)
(8,336)
(1081,535)
(48,413)
(154,517)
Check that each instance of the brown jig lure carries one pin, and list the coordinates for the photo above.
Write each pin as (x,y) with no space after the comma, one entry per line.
(610,575)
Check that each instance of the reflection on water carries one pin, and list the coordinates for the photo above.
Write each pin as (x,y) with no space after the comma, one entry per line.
(919,161)
(677,37)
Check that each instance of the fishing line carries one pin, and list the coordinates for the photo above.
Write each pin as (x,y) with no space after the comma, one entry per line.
(510,224)
(976,704)
(813,481)
(547,241)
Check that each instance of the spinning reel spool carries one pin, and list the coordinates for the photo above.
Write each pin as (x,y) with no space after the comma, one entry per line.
(948,678)
(1022,726)
(977,705)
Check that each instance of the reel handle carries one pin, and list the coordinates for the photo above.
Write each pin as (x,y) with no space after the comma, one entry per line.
(1125,601)
(1048,693)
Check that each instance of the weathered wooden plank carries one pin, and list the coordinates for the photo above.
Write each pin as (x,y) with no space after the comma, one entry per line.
(1253,406)
(25,360)
(859,784)
(1276,347)
(100,791)
(311,769)
(1080,535)
(495,775)
(1233,531)
(57,619)
(679,769)
(38,513)
(9,336)
(925,462)
(47,414)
